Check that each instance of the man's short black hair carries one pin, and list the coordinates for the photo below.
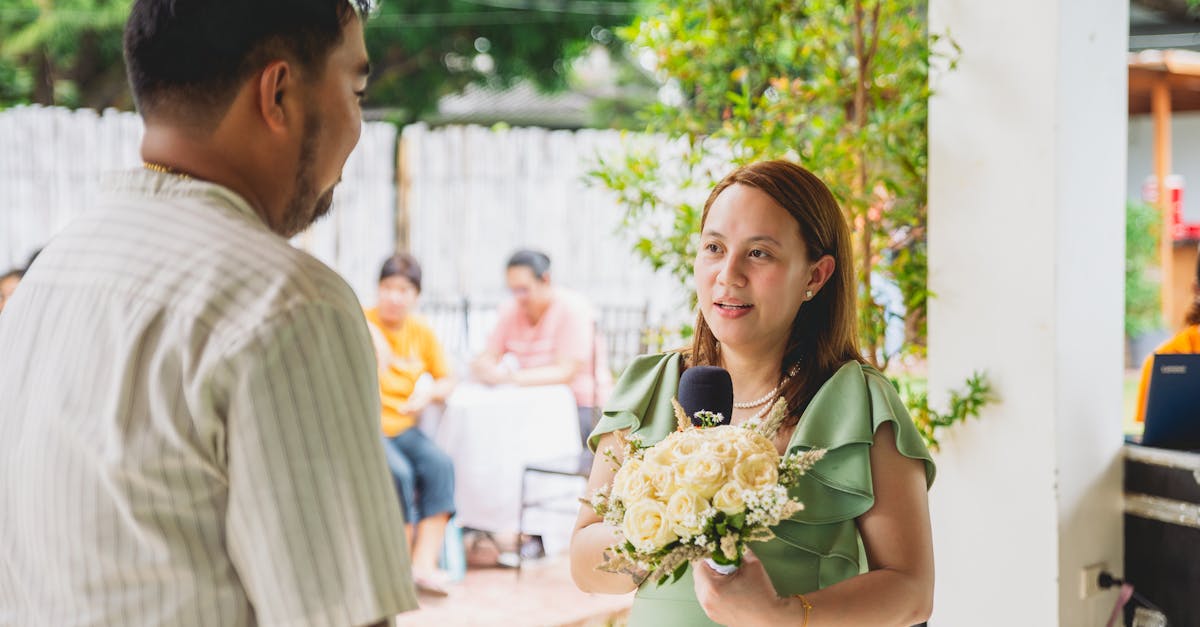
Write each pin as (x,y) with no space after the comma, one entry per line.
(536,261)
(404,265)
(187,58)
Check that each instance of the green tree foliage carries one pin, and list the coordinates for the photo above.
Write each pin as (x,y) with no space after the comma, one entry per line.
(68,52)
(425,49)
(841,86)
(1142,311)
(64,52)
(963,404)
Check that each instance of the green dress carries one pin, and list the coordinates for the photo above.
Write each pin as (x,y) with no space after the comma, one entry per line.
(820,545)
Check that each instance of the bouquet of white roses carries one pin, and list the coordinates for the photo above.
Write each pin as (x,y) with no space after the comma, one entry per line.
(700,493)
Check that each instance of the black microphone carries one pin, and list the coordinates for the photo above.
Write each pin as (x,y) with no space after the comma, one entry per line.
(706,388)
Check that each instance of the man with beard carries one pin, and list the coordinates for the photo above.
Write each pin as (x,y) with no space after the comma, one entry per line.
(189,428)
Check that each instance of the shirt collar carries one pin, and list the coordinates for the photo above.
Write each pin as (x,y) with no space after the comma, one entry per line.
(143,182)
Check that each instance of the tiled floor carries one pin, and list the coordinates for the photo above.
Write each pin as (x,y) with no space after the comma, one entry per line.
(542,596)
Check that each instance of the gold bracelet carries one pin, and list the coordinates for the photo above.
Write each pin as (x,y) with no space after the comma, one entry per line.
(807,607)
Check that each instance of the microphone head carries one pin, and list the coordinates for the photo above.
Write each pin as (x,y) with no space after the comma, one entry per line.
(706,388)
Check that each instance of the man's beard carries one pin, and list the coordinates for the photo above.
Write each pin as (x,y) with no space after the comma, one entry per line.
(306,204)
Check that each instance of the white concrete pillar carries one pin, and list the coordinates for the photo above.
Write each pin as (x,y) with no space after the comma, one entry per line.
(1027,191)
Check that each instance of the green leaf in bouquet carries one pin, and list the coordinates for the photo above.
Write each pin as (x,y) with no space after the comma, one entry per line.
(679,570)
(709,419)
(719,557)
(722,528)
(737,521)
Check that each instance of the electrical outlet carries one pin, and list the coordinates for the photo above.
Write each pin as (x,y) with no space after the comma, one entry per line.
(1089,580)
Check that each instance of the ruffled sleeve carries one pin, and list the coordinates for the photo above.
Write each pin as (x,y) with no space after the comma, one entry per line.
(641,399)
(843,418)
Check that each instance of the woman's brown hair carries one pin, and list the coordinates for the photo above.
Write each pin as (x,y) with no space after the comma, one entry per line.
(823,335)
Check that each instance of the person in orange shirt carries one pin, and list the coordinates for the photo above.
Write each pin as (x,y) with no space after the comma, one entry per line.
(1186,341)
(413,373)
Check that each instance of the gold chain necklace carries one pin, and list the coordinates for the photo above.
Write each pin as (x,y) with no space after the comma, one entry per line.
(163,169)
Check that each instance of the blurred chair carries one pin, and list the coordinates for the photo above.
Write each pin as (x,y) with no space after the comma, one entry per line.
(579,466)
(624,333)
(620,332)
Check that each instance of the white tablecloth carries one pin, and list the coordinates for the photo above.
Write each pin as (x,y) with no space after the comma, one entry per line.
(492,433)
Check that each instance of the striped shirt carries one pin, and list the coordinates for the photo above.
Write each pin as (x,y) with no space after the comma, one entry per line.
(189,427)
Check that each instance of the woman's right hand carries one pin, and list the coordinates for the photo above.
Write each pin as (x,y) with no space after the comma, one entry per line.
(743,597)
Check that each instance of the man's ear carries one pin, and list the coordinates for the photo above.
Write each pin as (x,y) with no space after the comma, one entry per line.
(275,83)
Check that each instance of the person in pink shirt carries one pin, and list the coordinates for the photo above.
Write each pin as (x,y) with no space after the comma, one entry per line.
(550,332)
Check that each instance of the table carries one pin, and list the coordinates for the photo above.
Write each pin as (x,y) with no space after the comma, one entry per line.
(492,433)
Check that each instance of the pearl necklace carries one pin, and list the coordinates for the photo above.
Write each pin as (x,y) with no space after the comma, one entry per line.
(764,399)
(769,395)
(760,413)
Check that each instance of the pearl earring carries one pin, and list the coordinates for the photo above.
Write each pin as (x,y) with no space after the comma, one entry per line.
(808,295)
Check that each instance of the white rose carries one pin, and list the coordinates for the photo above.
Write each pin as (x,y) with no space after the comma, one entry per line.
(729,498)
(662,453)
(631,482)
(752,443)
(757,471)
(685,510)
(646,525)
(722,446)
(661,479)
(682,445)
(702,474)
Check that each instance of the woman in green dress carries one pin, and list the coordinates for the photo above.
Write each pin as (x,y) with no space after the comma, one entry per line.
(774,280)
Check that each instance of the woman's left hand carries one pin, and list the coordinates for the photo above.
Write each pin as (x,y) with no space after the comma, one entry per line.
(742,598)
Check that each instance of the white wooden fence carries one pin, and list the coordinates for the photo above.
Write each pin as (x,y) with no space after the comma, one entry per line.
(52,161)
(473,196)
(469,197)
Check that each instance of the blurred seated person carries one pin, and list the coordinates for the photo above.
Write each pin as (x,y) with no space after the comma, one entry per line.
(413,374)
(8,285)
(550,334)
(1186,341)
